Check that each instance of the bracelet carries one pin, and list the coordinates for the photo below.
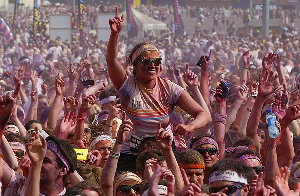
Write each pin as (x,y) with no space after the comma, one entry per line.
(114,155)
(220,118)
(249,110)
(271,146)
(108,125)
(81,118)
(119,142)
(245,67)
(178,77)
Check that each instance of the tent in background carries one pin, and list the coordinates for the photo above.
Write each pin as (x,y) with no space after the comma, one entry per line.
(145,23)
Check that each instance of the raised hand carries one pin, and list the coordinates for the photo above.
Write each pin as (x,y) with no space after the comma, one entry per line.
(67,125)
(189,189)
(72,74)
(268,60)
(247,59)
(21,71)
(88,102)
(36,148)
(242,91)
(82,143)
(60,85)
(277,61)
(71,103)
(259,189)
(282,186)
(219,93)
(266,83)
(94,158)
(114,111)
(34,95)
(292,112)
(116,23)
(176,71)
(125,127)
(33,77)
(86,63)
(24,164)
(278,110)
(149,168)
(7,103)
(17,83)
(206,63)
(80,67)
(163,139)
(189,77)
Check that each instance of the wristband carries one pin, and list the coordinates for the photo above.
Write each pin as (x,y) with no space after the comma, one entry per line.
(119,142)
(108,125)
(114,155)
(271,146)
(81,118)
(245,67)
(249,110)
(220,118)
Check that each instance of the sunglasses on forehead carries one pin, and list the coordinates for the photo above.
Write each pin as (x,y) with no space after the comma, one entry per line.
(211,151)
(126,189)
(230,189)
(148,62)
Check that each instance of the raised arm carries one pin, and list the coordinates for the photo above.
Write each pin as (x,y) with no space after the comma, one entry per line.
(220,121)
(204,89)
(33,106)
(247,59)
(115,69)
(264,89)
(164,142)
(232,111)
(110,167)
(72,74)
(36,149)
(54,112)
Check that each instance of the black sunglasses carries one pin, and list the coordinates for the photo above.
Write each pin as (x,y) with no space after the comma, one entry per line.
(126,189)
(211,151)
(230,189)
(258,169)
(148,62)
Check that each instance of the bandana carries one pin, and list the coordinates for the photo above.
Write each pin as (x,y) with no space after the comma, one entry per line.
(162,190)
(125,177)
(192,166)
(24,60)
(247,156)
(59,153)
(143,48)
(227,176)
(98,139)
(108,99)
(205,140)
(17,146)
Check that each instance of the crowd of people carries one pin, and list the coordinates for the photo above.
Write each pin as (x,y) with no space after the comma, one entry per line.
(191,115)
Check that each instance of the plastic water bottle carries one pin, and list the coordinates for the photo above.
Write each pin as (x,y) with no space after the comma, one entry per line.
(272,128)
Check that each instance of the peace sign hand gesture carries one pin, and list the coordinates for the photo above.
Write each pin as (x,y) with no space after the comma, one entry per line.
(116,23)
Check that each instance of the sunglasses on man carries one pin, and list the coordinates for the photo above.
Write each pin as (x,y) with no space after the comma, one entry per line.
(230,189)
(211,151)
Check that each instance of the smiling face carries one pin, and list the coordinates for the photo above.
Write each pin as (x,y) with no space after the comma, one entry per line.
(209,159)
(145,71)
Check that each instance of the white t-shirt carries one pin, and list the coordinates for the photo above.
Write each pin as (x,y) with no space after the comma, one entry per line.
(146,108)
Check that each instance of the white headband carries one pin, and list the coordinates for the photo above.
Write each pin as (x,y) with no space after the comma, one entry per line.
(108,99)
(25,60)
(227,176)
(162,190)
(100,138)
